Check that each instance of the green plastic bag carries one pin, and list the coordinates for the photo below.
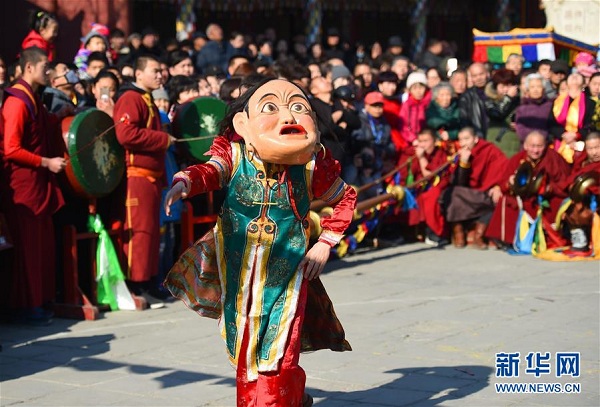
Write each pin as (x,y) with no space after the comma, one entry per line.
(111,287)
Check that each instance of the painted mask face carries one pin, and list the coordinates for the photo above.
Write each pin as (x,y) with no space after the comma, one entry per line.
(279,125)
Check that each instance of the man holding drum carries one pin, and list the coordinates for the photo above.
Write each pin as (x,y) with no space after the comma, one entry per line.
(30,155)
(139,132)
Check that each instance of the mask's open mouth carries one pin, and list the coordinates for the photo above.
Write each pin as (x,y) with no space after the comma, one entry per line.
(291,130)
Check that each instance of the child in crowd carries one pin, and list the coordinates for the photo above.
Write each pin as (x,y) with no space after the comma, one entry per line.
(44,30)
(585,65)
(94,41)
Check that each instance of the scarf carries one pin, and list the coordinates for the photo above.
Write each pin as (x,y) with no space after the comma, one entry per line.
(569,114)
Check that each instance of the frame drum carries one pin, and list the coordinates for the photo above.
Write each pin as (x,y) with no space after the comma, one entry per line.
(199,118)
(96,162)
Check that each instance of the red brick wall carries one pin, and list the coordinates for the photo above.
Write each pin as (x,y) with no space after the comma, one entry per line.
(74,16)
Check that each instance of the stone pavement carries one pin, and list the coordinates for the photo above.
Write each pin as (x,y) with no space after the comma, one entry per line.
(425,326)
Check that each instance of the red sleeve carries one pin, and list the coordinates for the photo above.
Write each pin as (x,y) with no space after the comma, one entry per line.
(403,120)
(34,41)
(558,173)
(132,132)
(488,166)
(498,162)
(212,175)
(329,187)
(510,169)
(15,115)
(438,159)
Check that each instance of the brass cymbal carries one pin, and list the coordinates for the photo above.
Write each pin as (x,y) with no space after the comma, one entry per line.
(582,184)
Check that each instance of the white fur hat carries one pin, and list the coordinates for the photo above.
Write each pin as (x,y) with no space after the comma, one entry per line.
(416,77)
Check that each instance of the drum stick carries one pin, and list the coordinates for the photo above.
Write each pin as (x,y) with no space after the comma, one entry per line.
(434,173)
(92,141)
(386,175)
(191,139)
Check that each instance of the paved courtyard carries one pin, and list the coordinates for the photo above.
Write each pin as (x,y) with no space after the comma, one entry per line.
(425,326)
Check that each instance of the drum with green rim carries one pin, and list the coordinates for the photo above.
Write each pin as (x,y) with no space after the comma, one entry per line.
(96,160)
(199,121)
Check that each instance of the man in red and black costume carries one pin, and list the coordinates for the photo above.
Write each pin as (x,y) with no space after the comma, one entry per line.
(30,155)
(545,162)
(138,130)
(428,186)
(472,196)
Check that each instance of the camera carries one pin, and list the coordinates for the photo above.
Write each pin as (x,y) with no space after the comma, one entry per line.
(105,94)
(345,93)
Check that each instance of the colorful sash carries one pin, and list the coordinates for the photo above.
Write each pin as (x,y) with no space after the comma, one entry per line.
(570,115)
(22,91)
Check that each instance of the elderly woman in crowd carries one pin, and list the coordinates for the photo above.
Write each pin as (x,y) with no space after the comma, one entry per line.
(443,114)
(532,113)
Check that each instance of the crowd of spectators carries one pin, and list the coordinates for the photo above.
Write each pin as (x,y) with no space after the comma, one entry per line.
(378,110)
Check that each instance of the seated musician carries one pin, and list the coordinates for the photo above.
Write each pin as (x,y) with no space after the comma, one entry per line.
(430,179)
(545,162)
(578,216)
(471,197)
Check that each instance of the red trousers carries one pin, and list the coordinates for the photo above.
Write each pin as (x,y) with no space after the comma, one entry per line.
(142,229)
(281,388)
(33,278)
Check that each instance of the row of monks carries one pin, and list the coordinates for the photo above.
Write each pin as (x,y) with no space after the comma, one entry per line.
(471,184)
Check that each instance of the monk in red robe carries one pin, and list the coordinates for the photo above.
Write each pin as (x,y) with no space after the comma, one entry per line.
(578,216)
(138,129)
(429,186)
(29,153)
(472,196)
(590,160)
(546,161)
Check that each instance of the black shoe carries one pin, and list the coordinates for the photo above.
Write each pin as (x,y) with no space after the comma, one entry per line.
(36,316)
(153,302)
(163,295)
(500,245)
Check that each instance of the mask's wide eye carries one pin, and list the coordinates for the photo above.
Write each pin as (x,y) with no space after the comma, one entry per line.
(269,108)
(298,108)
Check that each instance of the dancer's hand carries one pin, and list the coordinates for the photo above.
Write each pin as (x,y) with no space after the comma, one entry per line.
(178,191)
(315,260)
